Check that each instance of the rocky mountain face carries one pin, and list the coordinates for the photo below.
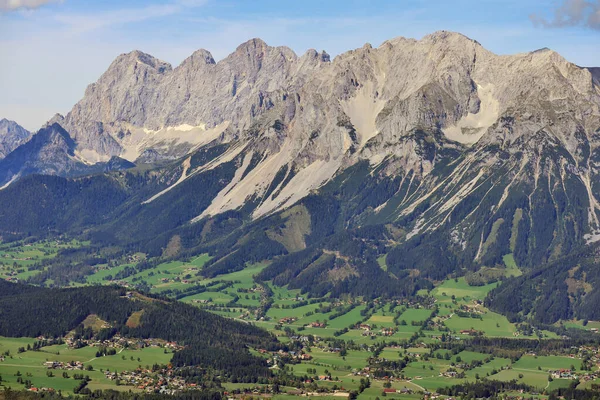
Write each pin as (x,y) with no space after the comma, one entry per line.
(51,151)
(314,117)
(12,135)
(438,151)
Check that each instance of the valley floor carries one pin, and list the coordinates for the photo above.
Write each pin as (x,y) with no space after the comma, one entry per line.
(374,348)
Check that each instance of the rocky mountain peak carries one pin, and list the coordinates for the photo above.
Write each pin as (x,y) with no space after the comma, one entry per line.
(198,58)
(56,118)
(251,56)
(137,57)
(12,135)
(312,54)
(448,36)
(56,135)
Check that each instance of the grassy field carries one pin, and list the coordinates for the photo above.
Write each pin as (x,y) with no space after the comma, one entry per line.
(348,319)
(16,258)
(511,266)
(415,315)
(461,290)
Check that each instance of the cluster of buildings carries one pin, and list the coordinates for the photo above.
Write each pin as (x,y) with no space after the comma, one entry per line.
(163,381)
(400,391)
(43,389)
(291,355)
(368,330)
(69,366)
(471,309)
(12,277)
(287,320)
(118,342)
(470,332)
(570,374)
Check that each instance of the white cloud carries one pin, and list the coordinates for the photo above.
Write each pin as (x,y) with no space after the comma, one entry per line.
(585,13)
(11,5)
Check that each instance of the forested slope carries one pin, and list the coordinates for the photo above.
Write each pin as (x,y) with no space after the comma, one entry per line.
(210,341)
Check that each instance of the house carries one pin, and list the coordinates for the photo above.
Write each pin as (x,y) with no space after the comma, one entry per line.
(387,331)
(287,320)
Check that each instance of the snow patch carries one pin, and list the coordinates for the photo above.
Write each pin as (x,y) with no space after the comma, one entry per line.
(186,127)
(90,156)
(169,137)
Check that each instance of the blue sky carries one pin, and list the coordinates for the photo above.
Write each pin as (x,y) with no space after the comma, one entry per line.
(51,50)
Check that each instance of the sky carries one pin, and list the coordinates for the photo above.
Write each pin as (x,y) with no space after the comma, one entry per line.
(50,50)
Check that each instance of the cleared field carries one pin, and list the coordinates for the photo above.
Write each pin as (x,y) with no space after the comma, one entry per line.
(211,297)
(415,315)
(579,324)
(537,379)
(381,320)
(104,274)
(511,266)
(298,312)
(492,324)
(382,262)
(353,359)
(546,363)
(348,319)
(460,289)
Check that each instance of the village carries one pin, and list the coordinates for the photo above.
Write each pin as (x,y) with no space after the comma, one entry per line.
(163,381)
(118,342)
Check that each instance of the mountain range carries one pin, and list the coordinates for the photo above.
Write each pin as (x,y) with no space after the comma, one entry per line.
(435,153)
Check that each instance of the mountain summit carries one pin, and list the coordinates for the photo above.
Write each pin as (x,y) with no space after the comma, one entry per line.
(12,135)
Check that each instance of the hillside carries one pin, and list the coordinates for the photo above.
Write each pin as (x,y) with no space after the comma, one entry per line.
(208,341)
